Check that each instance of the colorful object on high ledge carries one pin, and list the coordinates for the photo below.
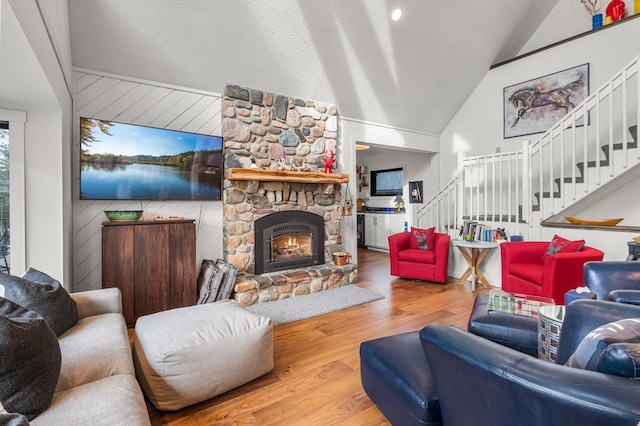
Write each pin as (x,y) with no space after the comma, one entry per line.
(594,222)
(615,10)
(596,21)
(329,157)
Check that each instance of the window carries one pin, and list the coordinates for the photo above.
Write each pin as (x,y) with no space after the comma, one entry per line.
(386,182)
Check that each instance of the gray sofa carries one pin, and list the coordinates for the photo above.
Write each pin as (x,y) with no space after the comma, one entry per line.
(97,383)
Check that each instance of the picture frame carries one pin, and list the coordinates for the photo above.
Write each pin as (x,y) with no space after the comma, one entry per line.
(535,105)
(415,192)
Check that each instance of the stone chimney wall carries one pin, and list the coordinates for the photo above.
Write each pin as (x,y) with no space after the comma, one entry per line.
(264,130)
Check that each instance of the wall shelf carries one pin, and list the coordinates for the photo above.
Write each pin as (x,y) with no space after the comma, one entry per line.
(285,176)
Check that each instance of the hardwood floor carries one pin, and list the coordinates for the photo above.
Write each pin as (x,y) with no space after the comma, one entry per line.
(316,379)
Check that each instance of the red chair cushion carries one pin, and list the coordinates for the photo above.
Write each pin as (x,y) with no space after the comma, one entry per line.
(417,256)
(531,272)
(562,245)
(430,237)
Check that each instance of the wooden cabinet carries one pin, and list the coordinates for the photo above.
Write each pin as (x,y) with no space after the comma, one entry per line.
(153,263)
(379,226)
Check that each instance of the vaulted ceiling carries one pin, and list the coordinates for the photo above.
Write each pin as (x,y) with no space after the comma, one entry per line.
(413,73)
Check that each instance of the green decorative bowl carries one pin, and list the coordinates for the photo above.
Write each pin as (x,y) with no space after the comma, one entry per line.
(123,214)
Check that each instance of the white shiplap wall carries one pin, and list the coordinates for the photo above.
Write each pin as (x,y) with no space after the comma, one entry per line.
(127,100)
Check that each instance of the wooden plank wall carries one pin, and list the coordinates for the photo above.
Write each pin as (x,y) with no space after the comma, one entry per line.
(127,100)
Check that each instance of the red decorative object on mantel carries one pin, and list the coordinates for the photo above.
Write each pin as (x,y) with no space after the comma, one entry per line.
(329,157)
(615,10)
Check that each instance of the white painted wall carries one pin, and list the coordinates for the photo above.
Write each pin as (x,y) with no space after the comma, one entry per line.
(33,63)
(478,126)
(412,150)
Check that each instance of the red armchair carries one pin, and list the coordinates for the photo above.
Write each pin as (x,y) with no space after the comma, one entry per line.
(525,271)
(414,263)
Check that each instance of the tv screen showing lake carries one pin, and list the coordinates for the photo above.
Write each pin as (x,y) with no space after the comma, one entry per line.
(120,161)
(148,182)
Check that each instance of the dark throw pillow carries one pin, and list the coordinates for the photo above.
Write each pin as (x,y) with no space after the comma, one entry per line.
(562,245)
(40,293)
(423,239)
(589,350)
(620,359)
(29,360)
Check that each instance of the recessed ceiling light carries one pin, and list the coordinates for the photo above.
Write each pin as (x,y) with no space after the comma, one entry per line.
(396,14)
(361,147)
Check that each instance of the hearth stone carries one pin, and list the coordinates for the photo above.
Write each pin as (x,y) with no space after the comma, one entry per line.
(284,284)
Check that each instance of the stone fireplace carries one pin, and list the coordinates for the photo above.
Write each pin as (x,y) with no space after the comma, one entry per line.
(282,216)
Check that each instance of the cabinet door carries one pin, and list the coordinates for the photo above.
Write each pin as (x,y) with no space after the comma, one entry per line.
(370,222)
(382,231)
(118,266)
(182,255)
(151,269)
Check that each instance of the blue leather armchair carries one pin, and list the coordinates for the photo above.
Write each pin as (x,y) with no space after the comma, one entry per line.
(618,281)
(460,378)
(477,379)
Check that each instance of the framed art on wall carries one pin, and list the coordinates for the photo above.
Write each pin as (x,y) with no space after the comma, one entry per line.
(535,105)
(415,192)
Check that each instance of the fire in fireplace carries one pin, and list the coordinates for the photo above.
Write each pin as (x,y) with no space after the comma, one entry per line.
(288,240)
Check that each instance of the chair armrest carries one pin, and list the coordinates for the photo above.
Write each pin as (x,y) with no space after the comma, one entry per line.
(400,241)
(585,315)
(604,277)
(96,302)
(397,243)
(479,379)
(517,332)
(563,272)
(625,296)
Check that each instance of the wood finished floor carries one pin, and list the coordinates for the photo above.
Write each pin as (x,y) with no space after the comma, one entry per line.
(316,379)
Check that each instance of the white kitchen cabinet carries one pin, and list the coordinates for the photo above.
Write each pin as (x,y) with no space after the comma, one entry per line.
(378,226)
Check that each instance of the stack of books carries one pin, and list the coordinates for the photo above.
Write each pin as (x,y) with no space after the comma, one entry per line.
(474,231)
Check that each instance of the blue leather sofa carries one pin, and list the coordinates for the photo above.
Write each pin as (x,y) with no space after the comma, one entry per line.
(463,379)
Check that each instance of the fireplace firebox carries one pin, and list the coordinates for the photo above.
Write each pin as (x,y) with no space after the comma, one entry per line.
(288,240)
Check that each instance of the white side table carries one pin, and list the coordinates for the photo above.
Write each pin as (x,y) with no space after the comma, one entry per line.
(474,253)
(549,325)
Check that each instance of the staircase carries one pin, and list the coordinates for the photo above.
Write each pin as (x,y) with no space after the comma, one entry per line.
(593,145)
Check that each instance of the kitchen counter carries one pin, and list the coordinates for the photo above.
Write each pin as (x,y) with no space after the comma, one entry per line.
(382,210)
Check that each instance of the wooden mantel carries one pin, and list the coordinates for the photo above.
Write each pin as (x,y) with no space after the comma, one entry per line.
(265,175)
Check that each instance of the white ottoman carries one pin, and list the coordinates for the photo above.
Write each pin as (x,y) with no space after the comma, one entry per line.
(187,355)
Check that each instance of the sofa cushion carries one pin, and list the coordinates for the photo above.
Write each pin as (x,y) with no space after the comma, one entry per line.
(40,293)
(97,347)
(29,360)
(423,239)
(417,256)
(531,272)
(620,359)
(115,400)
(588,351)
(561,245)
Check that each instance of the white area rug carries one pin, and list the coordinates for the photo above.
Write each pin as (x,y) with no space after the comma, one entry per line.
(314,304)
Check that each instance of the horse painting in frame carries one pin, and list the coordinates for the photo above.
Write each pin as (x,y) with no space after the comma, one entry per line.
(534,106)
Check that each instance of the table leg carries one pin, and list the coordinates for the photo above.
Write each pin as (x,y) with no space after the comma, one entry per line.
(479,273)
(463,251)
(474,258)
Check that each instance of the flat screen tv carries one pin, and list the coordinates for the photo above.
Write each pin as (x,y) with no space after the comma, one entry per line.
(121,161)
(386,182)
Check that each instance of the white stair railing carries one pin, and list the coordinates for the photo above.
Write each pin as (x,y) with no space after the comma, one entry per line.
(583,151)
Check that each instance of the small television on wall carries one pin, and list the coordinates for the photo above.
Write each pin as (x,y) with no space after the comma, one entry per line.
(386,182)
(120,161)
